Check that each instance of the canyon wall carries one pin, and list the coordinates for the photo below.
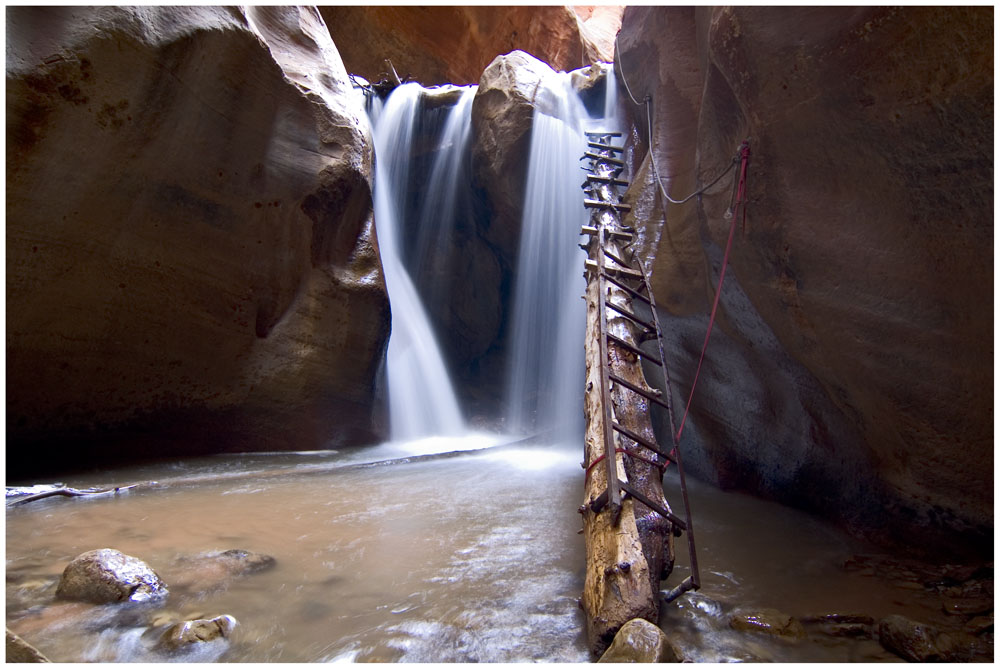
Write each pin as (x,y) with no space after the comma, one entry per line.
(191,256)
(439,44)
(850,370)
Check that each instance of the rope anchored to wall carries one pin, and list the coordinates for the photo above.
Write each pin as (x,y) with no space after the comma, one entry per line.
(737,211)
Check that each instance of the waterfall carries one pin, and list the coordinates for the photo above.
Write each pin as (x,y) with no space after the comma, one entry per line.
(421,399)
(546,368)
(445,202)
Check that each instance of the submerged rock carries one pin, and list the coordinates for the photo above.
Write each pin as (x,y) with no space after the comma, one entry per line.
(181,635)
(18,650)
(853,625)
(105,576)
(768,621)
(216,569)
(639,640)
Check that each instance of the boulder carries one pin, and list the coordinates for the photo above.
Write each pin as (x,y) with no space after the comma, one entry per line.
(918,642)
(179,636)
(105,576)
(502,117)
(437,45)
(639,640)
(191,257)
(845,374)
(767,621)
(18,650)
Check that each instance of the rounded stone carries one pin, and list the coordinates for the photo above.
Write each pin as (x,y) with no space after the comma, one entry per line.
(107,575)
(180,635)
(639,640)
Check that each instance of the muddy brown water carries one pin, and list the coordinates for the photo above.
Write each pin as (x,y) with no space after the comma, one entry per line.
(473,557)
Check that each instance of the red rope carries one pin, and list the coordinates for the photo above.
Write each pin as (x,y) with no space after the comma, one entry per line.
(740,201)
(626,452)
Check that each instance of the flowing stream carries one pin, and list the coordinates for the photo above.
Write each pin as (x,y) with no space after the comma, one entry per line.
(472,557)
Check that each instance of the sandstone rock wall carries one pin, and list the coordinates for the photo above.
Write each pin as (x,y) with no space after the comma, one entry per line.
(436,45)
(850,370)
(191,255)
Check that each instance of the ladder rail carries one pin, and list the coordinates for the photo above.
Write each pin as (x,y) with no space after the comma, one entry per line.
(616,488)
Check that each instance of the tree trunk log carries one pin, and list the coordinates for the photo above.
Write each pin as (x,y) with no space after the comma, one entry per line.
(625,563)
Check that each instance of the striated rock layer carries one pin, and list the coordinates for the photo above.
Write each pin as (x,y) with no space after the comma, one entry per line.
(850,369)
(191,255)
(440,44)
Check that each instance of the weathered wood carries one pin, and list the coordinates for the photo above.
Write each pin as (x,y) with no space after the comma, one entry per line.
(627,289)
(602,134)
(653,446)
(638,351)
(607,159)
(620,270)
(628,552)
(598,204)
(632,317)
(597,178)
(606,147)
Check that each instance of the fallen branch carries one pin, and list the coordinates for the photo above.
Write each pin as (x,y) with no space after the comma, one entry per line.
(75,492)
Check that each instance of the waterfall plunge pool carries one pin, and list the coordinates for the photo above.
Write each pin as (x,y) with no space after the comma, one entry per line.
(467,558)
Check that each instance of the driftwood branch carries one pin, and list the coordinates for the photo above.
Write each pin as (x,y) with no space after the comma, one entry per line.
(74,492)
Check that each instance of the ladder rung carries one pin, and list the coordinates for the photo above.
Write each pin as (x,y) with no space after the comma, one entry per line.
(632,317)
(638,351)
(606,147)
(674,520)
(615,171)
(682,587)
(631,291)
(639,440)
(602,134)
(591,230)
(636,389)
(599,157)
(618,260)
(606,180)
(621,270)
(601,204)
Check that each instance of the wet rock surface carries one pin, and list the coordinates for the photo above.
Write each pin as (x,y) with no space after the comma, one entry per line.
(20,651)
(502,115)
(192,263)
(179,636)
(854,372)
(767,621)
(918,642)
(640,641)
(106,576)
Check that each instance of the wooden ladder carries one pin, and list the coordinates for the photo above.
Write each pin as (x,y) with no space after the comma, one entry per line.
(629,275)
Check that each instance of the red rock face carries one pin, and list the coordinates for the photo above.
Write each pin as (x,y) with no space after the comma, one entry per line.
(190,244)
(850,371)
(436,45)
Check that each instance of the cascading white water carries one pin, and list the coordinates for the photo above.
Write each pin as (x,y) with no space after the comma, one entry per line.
(445,191)
(421,399)
(546,369)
